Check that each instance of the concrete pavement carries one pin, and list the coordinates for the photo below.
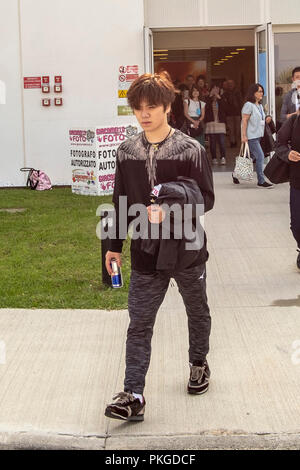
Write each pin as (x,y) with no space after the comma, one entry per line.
(59,368)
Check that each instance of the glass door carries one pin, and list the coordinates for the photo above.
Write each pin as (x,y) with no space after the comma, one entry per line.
(148,50)
(264,65)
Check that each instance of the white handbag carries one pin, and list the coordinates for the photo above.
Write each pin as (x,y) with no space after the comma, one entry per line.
(243,164)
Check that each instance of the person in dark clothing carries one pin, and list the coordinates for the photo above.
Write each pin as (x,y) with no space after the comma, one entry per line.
(278,105)
(288,145)
(291,101)
(177,111)
(215,119)
(156,156)
(234,105)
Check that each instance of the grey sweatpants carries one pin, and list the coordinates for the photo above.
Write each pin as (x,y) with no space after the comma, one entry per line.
(146,294)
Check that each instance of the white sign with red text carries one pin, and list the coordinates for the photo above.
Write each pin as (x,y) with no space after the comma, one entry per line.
(108,139)
(83,160)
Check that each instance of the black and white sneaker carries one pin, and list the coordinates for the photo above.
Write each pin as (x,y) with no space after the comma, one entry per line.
(265,185)
(234,179)
(126,407)
(199,378)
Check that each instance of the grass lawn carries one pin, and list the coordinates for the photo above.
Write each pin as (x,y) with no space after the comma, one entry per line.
(50,255)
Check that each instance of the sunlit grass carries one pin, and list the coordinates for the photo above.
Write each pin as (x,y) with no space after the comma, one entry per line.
(50,256)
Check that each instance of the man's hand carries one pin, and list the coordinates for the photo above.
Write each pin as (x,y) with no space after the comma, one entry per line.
(268,119)
(294,156)
(108,257)
(155,214)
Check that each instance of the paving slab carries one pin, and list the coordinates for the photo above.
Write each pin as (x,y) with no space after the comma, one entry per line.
(59,368)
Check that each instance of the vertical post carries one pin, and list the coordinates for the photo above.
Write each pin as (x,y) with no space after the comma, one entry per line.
(21,83)
(106,223)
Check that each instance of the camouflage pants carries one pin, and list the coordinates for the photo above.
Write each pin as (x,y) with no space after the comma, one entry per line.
(146,294)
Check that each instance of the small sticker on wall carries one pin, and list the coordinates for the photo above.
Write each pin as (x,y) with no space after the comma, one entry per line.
(58,101)
(46,102)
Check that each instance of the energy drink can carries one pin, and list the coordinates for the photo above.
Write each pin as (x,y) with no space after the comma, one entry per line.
(116,277)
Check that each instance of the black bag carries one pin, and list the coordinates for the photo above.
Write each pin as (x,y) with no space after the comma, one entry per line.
(267,141)
(277,170)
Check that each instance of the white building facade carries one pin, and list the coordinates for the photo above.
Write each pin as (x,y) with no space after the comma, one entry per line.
(86,45)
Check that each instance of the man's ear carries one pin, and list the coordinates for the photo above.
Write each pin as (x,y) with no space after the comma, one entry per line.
(168,109)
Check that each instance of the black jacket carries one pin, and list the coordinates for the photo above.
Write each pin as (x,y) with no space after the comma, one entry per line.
(140,166)
(288,105)
(288,138)
(267,142)
(209,114)
(180,235)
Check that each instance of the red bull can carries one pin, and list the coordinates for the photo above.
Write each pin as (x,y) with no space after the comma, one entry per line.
(116,277)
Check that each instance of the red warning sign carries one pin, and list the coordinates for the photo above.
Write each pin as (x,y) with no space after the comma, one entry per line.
(32,82)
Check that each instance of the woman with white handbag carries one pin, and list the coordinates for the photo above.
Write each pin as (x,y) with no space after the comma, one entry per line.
(253,128)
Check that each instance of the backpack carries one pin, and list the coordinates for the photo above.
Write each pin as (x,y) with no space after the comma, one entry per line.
(37,179)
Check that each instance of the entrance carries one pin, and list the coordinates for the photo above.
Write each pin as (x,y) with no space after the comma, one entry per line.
(239,55)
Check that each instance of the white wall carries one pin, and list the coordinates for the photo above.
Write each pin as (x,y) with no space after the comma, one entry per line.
(11,137)
(208,13)
(85,42)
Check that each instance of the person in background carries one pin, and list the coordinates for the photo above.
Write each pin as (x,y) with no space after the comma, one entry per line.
(234,105)
(215,119)
(253,129)
(189,81)
(177,111)
(202,87)
(194,112)
(278,105)
(291,101)
(288,146)
(224,87)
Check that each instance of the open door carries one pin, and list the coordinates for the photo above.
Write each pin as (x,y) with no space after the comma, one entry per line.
(264,65)
(148,50)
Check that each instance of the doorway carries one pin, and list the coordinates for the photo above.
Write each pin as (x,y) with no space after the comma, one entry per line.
(218,55)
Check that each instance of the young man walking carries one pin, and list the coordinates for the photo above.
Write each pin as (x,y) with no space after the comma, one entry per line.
(156,156)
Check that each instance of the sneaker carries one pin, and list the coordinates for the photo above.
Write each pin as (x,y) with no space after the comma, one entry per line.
(223,161)
(199,378)
(298,260)
(126,407)
(265,185)
(214,161)
(235,180)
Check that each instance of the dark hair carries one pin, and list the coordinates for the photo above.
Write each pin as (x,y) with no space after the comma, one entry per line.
(155,89)
(182,87)
(194,87)
(296,69)
(278,90)
(200,77)
(251,92)
(215,85)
